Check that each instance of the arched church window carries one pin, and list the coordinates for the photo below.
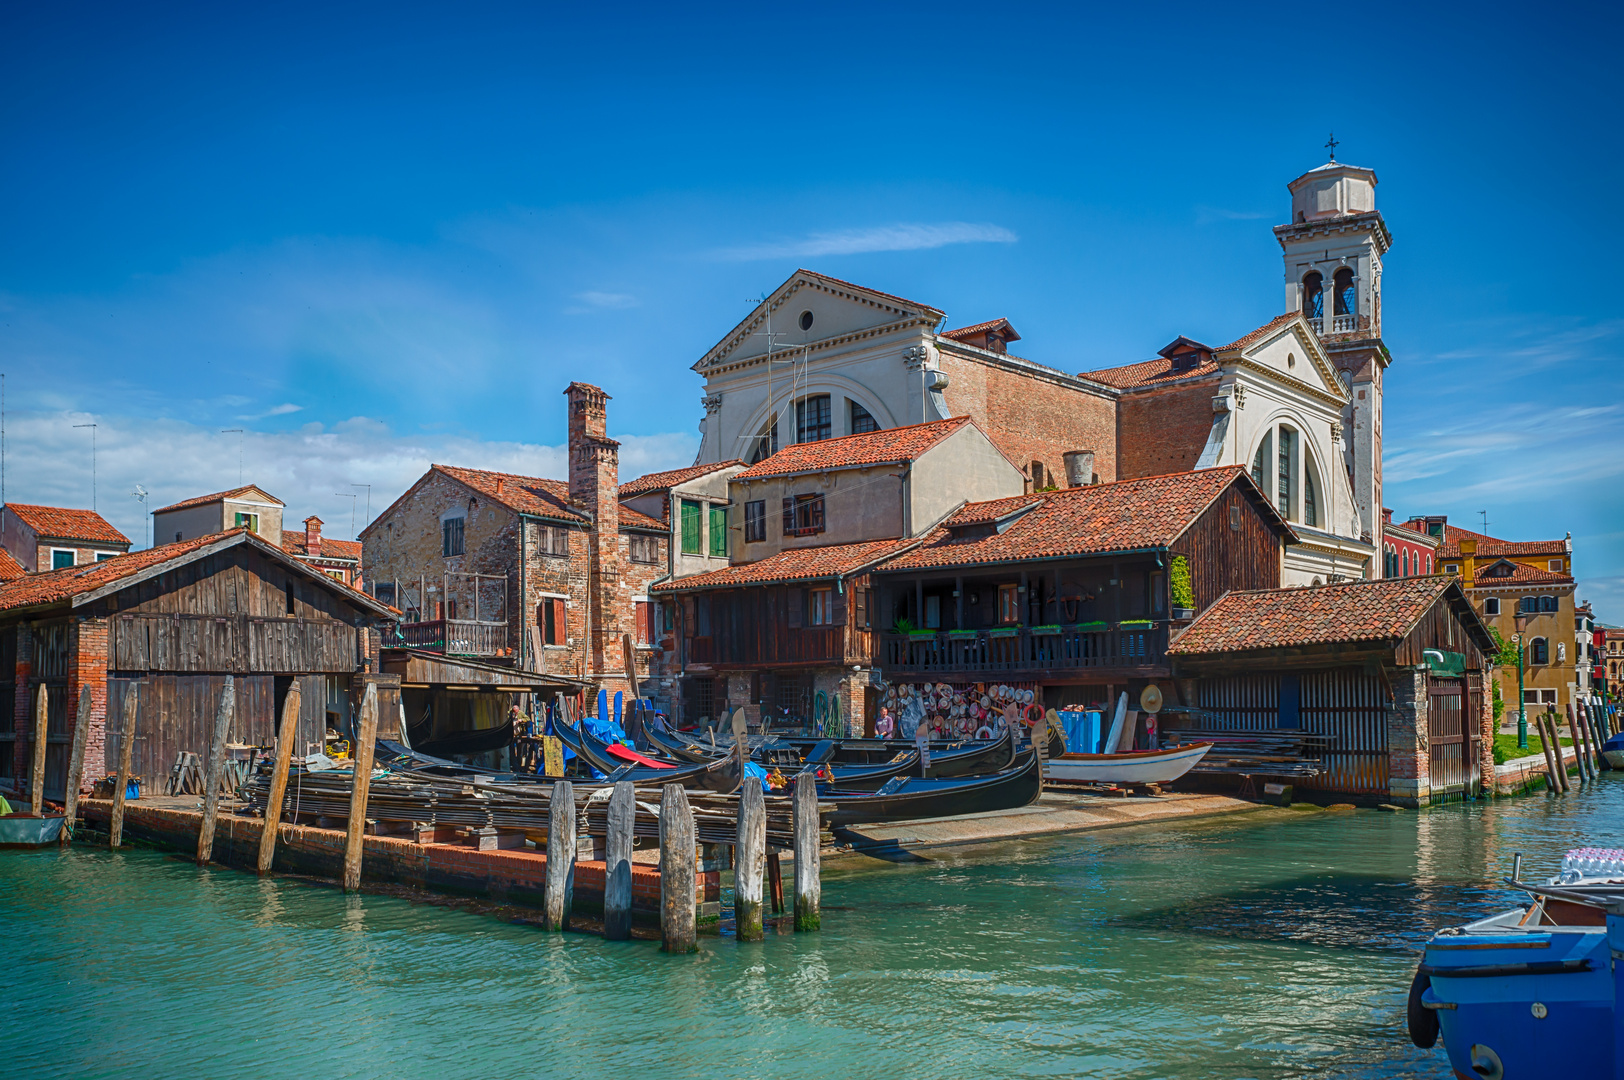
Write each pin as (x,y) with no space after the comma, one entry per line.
(812,419)
(1283,472)
(766,443)
(1346,304)
(861,419)
(1310,497)
(1314,295)
(1260,464)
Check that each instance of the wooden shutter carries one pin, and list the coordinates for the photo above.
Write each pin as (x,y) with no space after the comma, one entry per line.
(794,607)
(862,609)
(561,629)
(645,629)
(837,605)
(789,517)
(718,530)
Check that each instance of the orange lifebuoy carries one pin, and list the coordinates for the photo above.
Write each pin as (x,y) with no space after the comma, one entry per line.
(1032,720)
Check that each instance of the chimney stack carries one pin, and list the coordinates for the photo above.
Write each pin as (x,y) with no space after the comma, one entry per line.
(595,488)
(312,526)
(1079,467)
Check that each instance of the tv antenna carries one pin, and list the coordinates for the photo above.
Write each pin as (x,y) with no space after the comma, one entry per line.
(368,516)
(237,431)
(140,495)
(352,497)
(1485,514)
(92,428)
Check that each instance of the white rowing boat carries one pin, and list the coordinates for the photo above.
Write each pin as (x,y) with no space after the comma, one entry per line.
(1134,767)
(30,831)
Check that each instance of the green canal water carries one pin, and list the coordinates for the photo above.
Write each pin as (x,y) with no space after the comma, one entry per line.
(1279,944)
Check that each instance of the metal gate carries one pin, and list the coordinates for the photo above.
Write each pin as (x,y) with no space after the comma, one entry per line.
(1450,763)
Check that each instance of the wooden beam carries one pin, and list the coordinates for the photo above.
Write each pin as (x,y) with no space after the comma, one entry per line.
(808,880)
(360,788)
(216,764)
(36,774)
(76,764)
(678,931)
(617,864)
(126,747)
(749,863)
(287,731)
(560,892)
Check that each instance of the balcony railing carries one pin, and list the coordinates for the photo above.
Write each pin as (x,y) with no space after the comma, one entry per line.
(457,637)
(1025,648)
(1342,324)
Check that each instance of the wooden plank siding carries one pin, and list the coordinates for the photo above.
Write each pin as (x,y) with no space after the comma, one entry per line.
(235,643)
(1224,558)
(750,627)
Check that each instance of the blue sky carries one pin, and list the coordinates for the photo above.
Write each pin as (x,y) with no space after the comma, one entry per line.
(387,235)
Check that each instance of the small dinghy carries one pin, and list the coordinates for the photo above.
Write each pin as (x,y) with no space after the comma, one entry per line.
(1131,767)
(24,830)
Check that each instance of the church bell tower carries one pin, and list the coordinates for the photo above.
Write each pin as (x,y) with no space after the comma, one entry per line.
(1333,249)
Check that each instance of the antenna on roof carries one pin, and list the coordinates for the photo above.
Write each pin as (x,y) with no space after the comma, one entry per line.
(92,428)
(1485,514)
(352,497)
(239,433)
(368,517)
(2,440)
(140,494)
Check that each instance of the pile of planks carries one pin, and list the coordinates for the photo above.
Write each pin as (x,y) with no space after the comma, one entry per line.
(1256,753)
(404,796)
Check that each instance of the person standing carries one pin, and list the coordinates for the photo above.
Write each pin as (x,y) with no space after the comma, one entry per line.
(884,726)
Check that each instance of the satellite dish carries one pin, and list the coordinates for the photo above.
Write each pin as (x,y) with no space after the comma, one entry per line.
(1151,699)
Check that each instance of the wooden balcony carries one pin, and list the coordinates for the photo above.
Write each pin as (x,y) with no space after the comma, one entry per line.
(1035,652)
(457,637)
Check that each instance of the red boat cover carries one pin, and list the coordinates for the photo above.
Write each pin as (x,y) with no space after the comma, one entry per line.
(626,753)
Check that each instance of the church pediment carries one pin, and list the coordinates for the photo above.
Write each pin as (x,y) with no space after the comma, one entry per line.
(810,308)
(1288,351)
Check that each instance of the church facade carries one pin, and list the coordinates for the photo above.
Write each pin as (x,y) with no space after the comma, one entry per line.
(1298,401)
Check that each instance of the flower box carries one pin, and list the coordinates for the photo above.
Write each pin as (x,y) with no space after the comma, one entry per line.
(963,633)
(1136,624)
(915,634)
(1089,627)
(1051,629)
(1183,613)
(1007,631)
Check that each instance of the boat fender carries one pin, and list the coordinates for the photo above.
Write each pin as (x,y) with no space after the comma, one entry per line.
(1423,1021)
(983,732)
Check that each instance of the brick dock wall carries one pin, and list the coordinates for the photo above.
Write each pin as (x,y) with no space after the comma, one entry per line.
(511,876)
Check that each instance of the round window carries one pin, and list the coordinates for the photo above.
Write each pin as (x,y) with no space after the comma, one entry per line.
(806,320)
(1291,359)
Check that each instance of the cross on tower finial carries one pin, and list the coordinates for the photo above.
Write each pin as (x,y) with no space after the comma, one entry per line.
(1331,145)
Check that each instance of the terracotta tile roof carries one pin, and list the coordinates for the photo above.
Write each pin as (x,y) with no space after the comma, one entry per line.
(981,328)
(10,568)
(58,585)
(1130,514)
(1320,615)
(1490,547)
(636,519)
(884,447)
(294,544)
(1518,573)
(526,494)
(1268,329)
(665,481)
(1147,373)
(204,500)
(64,524)
(792,564)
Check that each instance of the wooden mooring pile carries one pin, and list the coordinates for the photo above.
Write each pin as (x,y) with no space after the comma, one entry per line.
(745,829)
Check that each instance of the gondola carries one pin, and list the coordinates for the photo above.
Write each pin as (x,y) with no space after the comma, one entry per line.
(475,741)
(719,775)
(908,799)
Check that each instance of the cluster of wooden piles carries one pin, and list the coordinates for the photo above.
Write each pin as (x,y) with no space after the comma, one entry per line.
(1587,738)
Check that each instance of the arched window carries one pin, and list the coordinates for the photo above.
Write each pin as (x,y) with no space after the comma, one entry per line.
(1342,285)
(1310,494)
(1283,473)
(1405,559)
(1539,651)
(1429,564)
(1260,464)
(812,419)
(1547,603)
(1314,295)
(765,442)
(1528,605)
(861,419)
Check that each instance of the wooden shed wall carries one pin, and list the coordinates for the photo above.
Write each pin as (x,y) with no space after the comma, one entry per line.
(1224,558)
(1439,628)
(237,581)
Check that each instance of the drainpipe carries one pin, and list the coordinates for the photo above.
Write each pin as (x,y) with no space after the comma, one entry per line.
(524,598)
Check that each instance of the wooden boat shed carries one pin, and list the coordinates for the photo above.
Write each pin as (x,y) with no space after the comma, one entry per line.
(1395,672)
(175,621)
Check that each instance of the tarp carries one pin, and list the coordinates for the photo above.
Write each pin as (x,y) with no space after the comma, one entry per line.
(626,753)
(1445,663)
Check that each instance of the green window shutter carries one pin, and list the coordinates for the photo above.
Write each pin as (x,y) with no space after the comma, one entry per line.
(718,531)
(690,528)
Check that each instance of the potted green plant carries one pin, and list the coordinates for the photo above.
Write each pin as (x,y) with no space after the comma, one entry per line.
(1180,588)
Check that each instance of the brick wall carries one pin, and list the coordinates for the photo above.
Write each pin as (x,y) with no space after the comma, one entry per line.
(1408,751)
(1483,681)
(1163,431)
(87,670)
(22,704)
(1032,417)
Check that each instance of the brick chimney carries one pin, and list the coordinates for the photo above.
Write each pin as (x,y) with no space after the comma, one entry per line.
(312,526)
(594,488)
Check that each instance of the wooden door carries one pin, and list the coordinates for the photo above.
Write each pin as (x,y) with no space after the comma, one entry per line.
(1446,735)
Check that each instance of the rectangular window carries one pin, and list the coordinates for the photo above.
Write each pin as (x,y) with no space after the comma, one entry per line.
(718,531)
(820,607)
(1009,608)
(1283,472)
(862,609)
(385,592)
(103,556)
(554,540)
(248,521)
(755,521)
(1555,565)
(645,549)
(933,612)
(61,560)
(451,537)
(1452,568)
(803,515)
(1491,606)
(812,419)
(691,527)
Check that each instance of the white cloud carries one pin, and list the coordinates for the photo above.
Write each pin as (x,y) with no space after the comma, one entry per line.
(311,469)
(1206,215)
(278,410)
(900,237)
